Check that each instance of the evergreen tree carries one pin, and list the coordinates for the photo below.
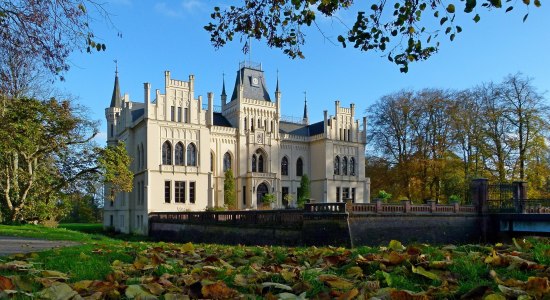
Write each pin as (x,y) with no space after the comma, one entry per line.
(229,194)
(303,191)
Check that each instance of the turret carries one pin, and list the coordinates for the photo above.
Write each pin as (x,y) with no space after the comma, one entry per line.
(112,113)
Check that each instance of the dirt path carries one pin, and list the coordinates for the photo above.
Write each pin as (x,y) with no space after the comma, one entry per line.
(11,245)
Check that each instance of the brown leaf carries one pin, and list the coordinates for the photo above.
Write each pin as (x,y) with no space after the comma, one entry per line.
(349,294)
(395,258)
(218,290)
(406,295)
(537,286)
(336,282)
(6,284)
(82,285)
(58,291)
(154,288)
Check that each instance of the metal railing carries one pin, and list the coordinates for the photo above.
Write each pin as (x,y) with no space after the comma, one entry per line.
(259,218)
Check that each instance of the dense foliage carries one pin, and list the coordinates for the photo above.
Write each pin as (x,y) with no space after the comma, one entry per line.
(431,143)
(47,156)
(405,31)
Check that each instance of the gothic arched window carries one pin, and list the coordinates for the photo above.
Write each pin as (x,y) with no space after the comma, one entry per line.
(352,166)
(260,163)
(345,166)
(178,154)
(299,167)
(253,162)
(166,153)
(191,155)
(226,161)
(284,166)
(337,165)
(138,160)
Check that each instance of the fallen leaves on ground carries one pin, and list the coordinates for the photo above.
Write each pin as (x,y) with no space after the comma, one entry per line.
(188,271)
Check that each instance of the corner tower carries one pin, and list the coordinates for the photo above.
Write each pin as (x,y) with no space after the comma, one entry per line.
(112,113)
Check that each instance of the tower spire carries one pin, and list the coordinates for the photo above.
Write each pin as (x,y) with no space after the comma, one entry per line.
(116,100)
(223,86)
(277,88)
(305,119)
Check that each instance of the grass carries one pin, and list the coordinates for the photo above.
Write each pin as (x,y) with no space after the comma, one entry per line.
(92,228)
(60,234)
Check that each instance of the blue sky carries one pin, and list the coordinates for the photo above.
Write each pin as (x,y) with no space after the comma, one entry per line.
(169,35)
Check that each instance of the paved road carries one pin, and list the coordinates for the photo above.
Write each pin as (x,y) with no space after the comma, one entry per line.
(11,245)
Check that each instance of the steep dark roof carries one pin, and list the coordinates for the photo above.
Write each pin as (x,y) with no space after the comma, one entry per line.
(116,100)
(251,90)
(220,120)
(301,129)
(137,113)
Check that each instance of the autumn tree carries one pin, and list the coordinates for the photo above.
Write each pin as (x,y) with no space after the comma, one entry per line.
(48,31)
(525,109)
(229,193)
(404,31)
(391,132)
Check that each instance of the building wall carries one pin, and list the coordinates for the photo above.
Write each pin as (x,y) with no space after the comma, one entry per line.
(177,116)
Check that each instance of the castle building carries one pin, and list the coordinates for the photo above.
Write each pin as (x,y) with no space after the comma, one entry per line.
(181,147)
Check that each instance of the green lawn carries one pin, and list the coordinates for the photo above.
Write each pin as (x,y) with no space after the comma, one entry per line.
(114,268)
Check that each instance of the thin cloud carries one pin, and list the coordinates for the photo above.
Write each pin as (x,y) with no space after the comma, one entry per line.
(192,5)
(178,11)
(164,9)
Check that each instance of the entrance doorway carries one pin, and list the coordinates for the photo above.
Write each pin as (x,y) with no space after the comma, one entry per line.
(261,191)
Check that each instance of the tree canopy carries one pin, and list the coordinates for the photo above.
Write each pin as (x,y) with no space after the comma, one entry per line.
(431,143)
(406,31)
(47,154)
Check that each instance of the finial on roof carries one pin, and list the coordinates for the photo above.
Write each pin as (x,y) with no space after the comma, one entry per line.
(116,100)
(223,86)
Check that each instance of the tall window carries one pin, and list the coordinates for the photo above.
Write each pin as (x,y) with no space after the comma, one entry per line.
(284,166)
(253,162)
(345,193)
(337,194)
(245,124)
(352,166)
(226,161)
(167,191)
(172,113)
(112,130)
(211,162)
(180,191)
(337,165)
(299,167)
(192,192)
(142,157)
(261,163)
(191,155)
(186,115)
(345,165)
(178,154)
(179,114)
(166,153)
(138,160)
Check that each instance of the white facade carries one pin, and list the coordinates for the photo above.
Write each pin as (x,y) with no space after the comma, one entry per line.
(181,150)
